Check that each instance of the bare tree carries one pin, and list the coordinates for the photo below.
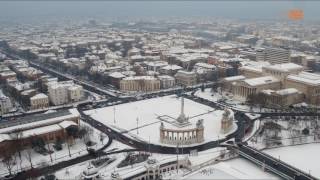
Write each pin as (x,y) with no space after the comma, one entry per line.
(28,156)
(17,145)
(9,160)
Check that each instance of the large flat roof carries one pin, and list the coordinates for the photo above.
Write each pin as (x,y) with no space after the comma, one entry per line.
(306,78)
(37,120)
(284,67)
(261,80)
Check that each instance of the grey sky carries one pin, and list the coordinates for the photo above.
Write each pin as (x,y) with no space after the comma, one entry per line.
(254,9)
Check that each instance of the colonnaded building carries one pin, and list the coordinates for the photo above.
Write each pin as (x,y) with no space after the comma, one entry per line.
(181,131)
(140,83)
(283,84)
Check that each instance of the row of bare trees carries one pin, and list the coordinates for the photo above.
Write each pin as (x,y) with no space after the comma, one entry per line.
(17,150)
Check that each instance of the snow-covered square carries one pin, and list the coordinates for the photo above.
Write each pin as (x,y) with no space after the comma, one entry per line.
(145,115)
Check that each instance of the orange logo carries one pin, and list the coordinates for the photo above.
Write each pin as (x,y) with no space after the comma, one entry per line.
(295,14)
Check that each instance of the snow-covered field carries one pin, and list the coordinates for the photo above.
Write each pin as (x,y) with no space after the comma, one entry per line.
(228,99)
(231,169)
(305,157)
(146,112)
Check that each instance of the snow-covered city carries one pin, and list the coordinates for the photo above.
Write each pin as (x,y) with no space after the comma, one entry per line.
(139,90)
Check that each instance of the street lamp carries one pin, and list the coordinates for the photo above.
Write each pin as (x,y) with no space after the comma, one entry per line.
(137,125)
(114,114)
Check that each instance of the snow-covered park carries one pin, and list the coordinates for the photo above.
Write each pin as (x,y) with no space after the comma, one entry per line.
(145,115)
(71,150)
(231,169)
(304,157)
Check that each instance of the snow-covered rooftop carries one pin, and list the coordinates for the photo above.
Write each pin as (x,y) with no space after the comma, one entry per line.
(172,67)
(117,75)
(140,78)
(287,91)
(285,67)
(234,78)
(39,96)
(306,77)
(261,80)
(205,65)
(37,120)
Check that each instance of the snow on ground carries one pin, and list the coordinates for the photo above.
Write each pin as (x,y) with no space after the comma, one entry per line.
(290,134)
(146,112)
(297,149)
(231,169)
(254,130)
(72,172)
(305,157)
(227,99)
(78,148)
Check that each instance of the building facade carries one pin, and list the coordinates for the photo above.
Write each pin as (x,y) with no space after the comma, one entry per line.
(75,93)
(140,83)
(64,92)
(244,88)
(166,81)
(181,131)
(273,55)
(152,169)
(186,78)
(48,126)
(283,97)
(39,101)
(308,84)
(5,104)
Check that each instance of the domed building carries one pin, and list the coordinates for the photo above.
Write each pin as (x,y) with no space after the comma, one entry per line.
(181,131)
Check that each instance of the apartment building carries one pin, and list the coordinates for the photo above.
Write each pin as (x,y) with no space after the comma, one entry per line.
(186,78)
(140,83)
(64,92)
(273,55)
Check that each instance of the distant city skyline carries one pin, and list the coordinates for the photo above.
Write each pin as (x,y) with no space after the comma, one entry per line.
(126,10)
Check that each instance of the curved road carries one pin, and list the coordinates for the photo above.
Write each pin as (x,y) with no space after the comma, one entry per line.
(145,146)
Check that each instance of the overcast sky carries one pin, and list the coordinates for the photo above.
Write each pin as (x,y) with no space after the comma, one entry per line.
(254,9)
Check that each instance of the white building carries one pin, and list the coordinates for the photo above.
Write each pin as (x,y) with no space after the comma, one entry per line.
(64,92)
(186,78)
(39,101)
(273,55)
(140,83)
(281,71)
(205,71)
(170,69)
(166,81)
(5,104)
(75,93)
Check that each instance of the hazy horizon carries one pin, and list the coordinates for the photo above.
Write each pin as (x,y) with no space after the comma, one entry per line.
(124,10)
